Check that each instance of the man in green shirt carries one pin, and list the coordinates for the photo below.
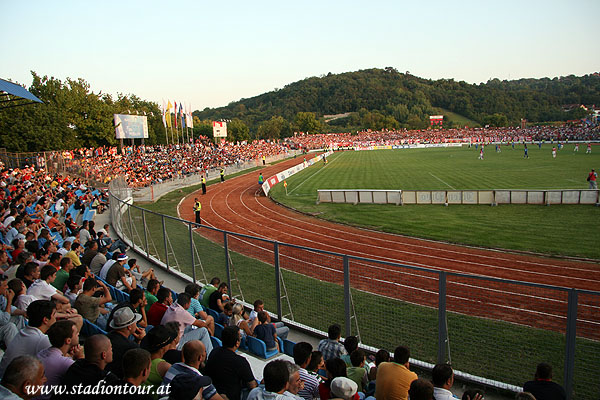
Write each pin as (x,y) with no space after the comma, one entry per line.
(62,276)
(151,291)
(207,290)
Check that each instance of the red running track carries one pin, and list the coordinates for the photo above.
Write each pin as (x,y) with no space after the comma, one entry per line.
(235,206)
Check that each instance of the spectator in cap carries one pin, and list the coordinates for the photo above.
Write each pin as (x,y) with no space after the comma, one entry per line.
(119,277)
(343,388)
(158,341)
(124,324)
(188,387)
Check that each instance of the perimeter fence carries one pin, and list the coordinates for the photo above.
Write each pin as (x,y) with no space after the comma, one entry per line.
(492,331)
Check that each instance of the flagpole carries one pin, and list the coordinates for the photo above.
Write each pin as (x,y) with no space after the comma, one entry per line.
(172,137)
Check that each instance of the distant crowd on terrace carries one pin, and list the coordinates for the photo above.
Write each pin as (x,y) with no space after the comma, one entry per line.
(146,165)
(399,137)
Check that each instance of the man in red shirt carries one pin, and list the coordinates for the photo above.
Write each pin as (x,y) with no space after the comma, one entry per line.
(157,310)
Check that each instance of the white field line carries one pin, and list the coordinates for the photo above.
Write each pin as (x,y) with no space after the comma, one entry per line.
(444,182)
(302,183)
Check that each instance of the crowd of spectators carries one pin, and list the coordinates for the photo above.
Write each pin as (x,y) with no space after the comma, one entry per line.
(146,165)
(403,137)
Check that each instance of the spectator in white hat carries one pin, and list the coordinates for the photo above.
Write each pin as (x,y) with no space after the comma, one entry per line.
(343,388)
(119,277)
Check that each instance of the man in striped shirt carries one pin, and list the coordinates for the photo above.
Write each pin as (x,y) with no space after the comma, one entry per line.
(194,355)
(302,355)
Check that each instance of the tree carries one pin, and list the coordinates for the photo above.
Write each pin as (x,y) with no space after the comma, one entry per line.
(273,128)
(237,130)
(307,122)
(495,120)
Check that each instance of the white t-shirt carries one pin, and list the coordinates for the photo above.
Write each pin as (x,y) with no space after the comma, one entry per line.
(59,205)
(41,290)
(8,220)
(106,268)
(23,301)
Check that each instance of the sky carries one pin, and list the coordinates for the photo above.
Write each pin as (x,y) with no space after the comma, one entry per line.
(209,54)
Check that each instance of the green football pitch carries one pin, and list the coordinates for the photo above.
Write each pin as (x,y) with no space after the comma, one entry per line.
(572,230)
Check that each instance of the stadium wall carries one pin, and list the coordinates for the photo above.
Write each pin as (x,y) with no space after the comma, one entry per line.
(442,197)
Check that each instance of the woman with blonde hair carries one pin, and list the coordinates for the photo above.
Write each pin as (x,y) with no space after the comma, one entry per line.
(239,319)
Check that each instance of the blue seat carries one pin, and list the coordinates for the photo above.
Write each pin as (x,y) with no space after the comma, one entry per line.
(259,348)
(218,329)
(59,239)
(89,328)
(213,313)
(288,346)
(124,296)
(216,342)
(89,214)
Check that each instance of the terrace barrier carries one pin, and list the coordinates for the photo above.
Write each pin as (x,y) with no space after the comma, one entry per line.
(442,197)
(493,331)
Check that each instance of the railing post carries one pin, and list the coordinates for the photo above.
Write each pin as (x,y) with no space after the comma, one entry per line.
(277,279)
(227,263)
(130,225)
(147,248)
(442,328)
(347,307)
(570,344)
(192,251)
(165,241)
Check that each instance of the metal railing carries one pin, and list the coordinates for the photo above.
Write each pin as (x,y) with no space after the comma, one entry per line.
(493,331)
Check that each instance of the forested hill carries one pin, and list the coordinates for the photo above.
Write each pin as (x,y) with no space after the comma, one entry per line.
(378,98)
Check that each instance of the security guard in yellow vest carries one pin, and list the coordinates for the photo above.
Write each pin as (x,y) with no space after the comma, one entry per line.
(222,174)
(264,159)
(197,208)
(203,185)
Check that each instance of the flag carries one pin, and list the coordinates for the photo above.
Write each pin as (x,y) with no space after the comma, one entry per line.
(168,114)
(182,115)
(189,116)
(163,110)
